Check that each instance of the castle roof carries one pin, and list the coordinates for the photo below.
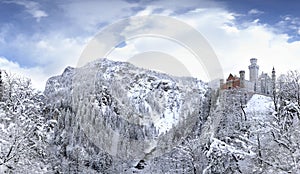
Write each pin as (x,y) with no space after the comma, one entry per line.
(231,77)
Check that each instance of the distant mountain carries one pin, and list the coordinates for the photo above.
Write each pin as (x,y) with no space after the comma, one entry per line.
(128,113)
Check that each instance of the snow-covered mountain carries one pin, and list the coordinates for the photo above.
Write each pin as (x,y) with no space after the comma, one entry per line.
(130,113)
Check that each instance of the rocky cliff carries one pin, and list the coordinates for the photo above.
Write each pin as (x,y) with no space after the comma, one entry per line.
(113,117)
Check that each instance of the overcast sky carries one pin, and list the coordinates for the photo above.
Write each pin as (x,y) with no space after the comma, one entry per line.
(40,38)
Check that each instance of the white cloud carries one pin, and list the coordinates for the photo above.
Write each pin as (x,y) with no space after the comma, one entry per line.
(149,10)
(36,74)
(255,12)
(235,45)
(49,56)
(168,49)
(4,30)
(52,50)
(90,14)
(287,18)
(181,7)
(288,24)
(31,7)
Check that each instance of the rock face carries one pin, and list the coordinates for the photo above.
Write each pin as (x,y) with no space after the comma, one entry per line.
(113,117)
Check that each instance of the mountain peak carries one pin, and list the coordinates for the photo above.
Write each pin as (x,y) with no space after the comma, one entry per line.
(130,103)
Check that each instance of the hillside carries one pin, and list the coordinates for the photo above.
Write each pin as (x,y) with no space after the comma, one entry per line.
(129,113)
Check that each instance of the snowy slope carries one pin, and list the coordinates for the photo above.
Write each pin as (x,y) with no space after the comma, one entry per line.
(259,112)
(259,107)
(259,103)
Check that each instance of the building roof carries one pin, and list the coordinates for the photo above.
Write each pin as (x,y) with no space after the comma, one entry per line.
(231,77)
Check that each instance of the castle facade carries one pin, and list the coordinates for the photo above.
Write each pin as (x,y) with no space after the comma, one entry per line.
(263,83)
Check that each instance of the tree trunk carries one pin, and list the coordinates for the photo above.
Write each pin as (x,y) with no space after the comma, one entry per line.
(259,151)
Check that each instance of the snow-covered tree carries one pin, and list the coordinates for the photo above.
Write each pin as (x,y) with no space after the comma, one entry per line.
(285,127)
(22,127)
(230,143)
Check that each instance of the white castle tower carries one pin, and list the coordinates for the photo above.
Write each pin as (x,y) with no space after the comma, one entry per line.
(253,69)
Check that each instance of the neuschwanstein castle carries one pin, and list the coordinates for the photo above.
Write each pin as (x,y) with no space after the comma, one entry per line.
(263,84)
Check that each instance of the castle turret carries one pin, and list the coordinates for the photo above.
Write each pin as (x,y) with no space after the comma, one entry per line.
(242,79)
(253,69)
(273,74)
(273,80)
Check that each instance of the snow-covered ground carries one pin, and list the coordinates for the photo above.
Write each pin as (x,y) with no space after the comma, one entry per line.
(259,106)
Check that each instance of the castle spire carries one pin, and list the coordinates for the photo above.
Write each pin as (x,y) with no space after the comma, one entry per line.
(273,80)
(273,73)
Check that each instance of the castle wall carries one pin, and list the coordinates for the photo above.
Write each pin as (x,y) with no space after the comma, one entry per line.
(264,85)
(249,85)
(231,84)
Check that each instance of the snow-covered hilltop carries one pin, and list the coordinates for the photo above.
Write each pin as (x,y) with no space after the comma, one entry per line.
(129,112)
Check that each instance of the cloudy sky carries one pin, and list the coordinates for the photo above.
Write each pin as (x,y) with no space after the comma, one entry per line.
(40,38)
